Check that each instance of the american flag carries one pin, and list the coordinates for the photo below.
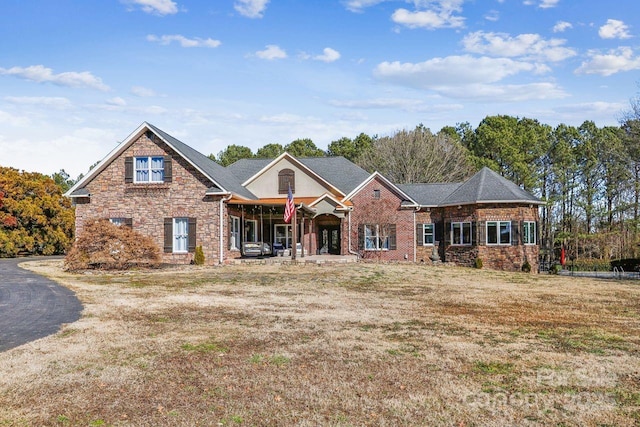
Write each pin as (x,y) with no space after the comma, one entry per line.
(289,207)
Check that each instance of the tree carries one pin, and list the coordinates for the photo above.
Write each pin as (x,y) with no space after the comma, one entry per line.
(35,218)
(269,151)
(417,156)
(344,147)
(304,148)
(232,154)
(63,180)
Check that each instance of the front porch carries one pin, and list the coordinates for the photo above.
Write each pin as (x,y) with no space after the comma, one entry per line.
(317,231)
(288,260)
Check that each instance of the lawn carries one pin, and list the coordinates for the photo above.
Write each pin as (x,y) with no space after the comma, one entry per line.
(331,345)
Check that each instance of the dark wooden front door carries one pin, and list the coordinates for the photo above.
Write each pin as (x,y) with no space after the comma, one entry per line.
(329,239)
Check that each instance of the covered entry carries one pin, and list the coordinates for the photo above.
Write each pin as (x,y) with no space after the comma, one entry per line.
(328,228)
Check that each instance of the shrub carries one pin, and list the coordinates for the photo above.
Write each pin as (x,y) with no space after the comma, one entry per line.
(526,267)
(478,263)
(556,268)
(108,246)
(198,257)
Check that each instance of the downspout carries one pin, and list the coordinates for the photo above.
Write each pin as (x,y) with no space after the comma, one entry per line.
(349,237)
(415,241)
(221,227)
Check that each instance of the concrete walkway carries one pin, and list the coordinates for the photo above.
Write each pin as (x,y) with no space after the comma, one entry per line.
(31,306)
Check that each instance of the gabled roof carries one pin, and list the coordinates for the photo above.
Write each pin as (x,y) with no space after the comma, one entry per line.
(338,172)
(487,186)
(222,181)
(407,201)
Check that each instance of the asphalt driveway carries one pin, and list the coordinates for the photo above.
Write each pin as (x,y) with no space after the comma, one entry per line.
(31,306)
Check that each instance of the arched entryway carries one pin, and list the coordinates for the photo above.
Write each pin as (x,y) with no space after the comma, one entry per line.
(328,234)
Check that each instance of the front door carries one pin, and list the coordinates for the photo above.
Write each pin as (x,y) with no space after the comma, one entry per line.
(329,240)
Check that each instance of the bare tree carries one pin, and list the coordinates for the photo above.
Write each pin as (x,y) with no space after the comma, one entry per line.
(417,156)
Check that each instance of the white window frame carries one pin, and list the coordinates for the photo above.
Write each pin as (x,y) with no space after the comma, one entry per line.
(254,226)
(288,235)
(529,233)
(151,173)
(373,240)
(180,236)
(461,225)
(234,233)
(499,228)
(430,233)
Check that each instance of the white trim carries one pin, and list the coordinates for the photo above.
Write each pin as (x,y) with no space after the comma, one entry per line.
(535,233)
(298,164)
(394,187)
(329,196)
(184,236)
(234,245)
(461,233)
(498,223)
(433,233)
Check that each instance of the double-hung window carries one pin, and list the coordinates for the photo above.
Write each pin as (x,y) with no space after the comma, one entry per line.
(498,232)
(375,238)
(149,169)
(427,233)
(180,235)
(234,237)
(529,233)
(460,233)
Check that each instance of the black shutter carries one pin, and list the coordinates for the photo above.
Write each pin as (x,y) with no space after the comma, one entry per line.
(474,233)
(168,235)
(392,237)
(128,222)
(192,235)
(537,233)
(361,236)
(515,233)
(168,169)
(447,233)
(128,170)
(482,233)
(420,234)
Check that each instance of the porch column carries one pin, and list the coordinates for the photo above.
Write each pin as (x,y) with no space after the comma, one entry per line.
(302,236)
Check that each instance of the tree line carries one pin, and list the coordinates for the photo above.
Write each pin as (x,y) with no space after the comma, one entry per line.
(589,176)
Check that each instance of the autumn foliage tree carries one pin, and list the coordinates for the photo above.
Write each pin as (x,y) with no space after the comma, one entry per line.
(35,218)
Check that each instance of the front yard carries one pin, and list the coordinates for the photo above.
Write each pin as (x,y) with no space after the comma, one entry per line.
(332,345)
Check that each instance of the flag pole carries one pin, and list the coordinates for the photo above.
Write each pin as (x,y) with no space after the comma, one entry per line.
(294,248)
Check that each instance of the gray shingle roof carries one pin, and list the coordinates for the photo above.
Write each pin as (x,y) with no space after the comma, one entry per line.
(222,176)
(337,171)
(429,194)
(487,186)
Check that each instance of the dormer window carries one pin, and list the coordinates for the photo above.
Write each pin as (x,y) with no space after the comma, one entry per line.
(286,178)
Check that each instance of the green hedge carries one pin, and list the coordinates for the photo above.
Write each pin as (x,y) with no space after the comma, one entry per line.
(589,264)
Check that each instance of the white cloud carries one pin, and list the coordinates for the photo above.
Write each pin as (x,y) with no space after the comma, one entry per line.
(614,29)
(360,5)
(271,52)
(451,70)
(12,120)
(59,103)
(183,41)
(41,74)
(492,15)
(142,92)
(504,93)
(117,101)
(431,15)
(380,103)
(615,61)
(546,4)
(328,55)
(155,7)
(251,8)
(529,46)
(562,26)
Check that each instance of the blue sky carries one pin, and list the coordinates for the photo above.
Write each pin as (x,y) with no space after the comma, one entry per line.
(77,76)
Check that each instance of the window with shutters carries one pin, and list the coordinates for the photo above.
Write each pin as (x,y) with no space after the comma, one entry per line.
(286,178)
(148,169)
(498,232)
(379,237)
(180,235)
(461,233)
(529,232)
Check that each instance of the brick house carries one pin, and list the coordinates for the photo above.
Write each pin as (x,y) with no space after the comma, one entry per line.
(165,189)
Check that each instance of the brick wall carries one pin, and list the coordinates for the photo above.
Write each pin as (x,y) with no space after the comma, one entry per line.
(383,210)
(149,204)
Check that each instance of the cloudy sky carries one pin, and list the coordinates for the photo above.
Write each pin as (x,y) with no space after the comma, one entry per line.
(77,76)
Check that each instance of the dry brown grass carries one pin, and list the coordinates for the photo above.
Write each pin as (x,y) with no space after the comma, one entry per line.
(338,345)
